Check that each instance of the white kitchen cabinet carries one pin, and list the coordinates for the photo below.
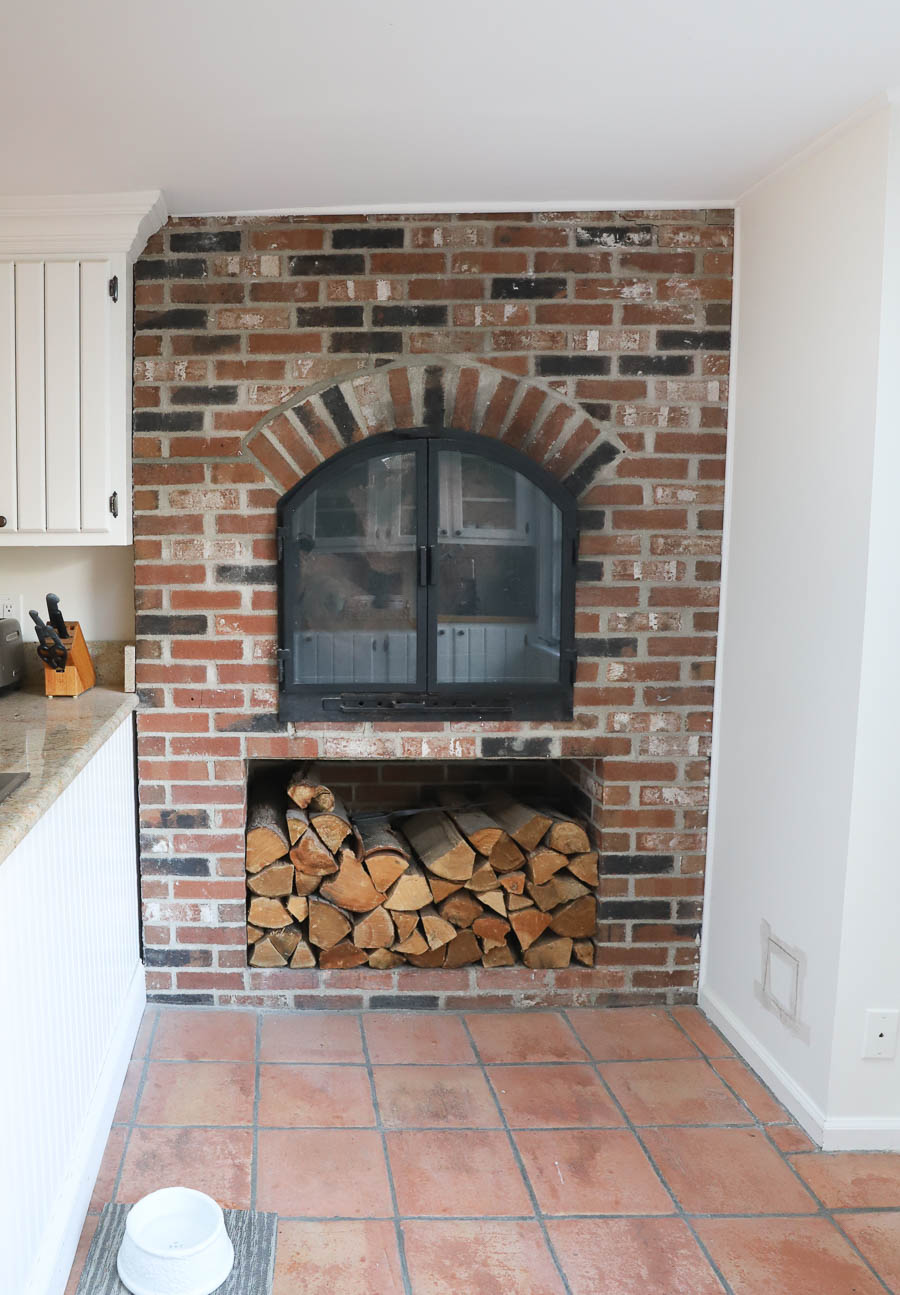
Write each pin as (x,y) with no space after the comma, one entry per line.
(65,366)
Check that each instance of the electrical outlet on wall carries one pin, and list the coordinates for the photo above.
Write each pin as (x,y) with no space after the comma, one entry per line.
(7,606)
(881,1034)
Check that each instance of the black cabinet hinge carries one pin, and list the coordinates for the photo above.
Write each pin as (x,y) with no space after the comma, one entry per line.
(279,539)
(114,288)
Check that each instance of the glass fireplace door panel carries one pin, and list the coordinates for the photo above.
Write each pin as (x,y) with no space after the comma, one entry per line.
(498,568)
(355,588)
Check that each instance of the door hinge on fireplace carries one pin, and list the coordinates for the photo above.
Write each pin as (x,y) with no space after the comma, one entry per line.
(281,656)
(279,537)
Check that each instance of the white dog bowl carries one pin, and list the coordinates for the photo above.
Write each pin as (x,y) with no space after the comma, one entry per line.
(175,1243)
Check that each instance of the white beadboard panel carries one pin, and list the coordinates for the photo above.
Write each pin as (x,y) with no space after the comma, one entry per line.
(8,507)
(95,399)
(62,342)
(68,954)
(30,429)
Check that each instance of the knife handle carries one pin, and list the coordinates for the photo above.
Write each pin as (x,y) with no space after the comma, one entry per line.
(55,616)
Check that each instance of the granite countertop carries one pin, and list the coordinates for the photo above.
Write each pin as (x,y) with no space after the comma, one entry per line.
(52,738)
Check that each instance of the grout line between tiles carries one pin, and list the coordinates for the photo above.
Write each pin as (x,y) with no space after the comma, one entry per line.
(131,1124)
(254,1160)
(823,1211)
(398,1229)
(538,1214)
(682,1213)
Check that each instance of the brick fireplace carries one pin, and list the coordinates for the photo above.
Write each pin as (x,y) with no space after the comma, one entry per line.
(597,344)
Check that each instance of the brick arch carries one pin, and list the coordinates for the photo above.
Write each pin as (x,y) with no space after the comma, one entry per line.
(298,435)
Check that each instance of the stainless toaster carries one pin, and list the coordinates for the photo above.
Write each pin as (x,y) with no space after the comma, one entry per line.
(12,654)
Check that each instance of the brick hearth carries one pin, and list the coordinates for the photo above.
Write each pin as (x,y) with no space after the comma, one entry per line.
(597,343)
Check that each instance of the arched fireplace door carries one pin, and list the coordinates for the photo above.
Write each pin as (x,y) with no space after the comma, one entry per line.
(426,574)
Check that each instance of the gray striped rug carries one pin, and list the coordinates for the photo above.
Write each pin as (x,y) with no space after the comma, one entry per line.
(252,1235)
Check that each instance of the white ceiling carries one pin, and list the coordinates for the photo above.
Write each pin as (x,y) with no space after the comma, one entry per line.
(254,105)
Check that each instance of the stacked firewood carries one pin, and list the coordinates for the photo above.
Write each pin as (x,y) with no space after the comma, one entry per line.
(446,886)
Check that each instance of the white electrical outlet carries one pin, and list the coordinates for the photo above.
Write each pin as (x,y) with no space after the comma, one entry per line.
(7,608)
(881,1033)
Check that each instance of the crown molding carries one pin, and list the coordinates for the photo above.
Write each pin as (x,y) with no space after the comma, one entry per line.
(80,224)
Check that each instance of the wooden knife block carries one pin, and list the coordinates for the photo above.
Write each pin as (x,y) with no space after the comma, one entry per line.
(79,674)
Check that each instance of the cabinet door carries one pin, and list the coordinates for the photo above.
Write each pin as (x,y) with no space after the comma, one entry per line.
(58,460)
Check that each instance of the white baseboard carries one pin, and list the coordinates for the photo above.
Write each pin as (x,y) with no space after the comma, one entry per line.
(831,1134)
(60,1240)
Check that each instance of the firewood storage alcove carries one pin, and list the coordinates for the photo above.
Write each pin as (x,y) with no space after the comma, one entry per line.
(427,573)
(435,864)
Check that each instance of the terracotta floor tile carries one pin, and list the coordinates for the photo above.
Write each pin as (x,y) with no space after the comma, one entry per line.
(591,1172)
(631,1257)
(750,1089)
(503,1037)
(673,1092)
(706,1037)
(535,1097)
(630,1034)
(878,1237)
(315,1096)
(794,1256)
(81,1253)
(197,1092)
(455,1171)
(482,1257)
(416,1038)
(125,1105)
(337,1258)
(447,1097)
(109,1169)
(790,1137)
(311,1036)
(216,1161)
(186,1034)
(726,1171)
(852,1179)
(144,1031)
(323,1173)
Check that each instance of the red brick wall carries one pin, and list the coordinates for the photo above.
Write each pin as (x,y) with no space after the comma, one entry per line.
(615,329)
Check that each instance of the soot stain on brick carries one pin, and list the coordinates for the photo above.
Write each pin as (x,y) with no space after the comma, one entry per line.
(516,746)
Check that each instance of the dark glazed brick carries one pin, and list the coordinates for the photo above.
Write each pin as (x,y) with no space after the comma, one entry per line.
(518,746)
(158,626)
(346,263)
(688,910)
(256,724)
(527,286)
(606,647)
(678,339)
(718,314)
(327,1002)
(183,1000)
(434,397)
(155,320)
(591,519)
(329,316)
(408,316)
(367,236)
(341,415)
(181,268)
(581,477)
(405,1002)
(622,864)
(157,420)
(600,413)
(587,570)
(670,365)
(213,343)
(560,366)
(151,866)
(258,574)
(648,910)
(207,240)
(365,343)
(614,235)
(177,958)
(224,395)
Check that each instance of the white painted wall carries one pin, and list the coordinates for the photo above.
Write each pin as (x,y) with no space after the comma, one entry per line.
(95,585)
(793,830)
